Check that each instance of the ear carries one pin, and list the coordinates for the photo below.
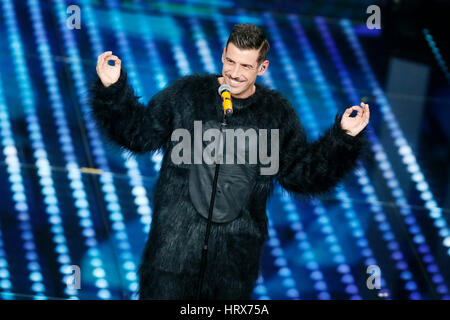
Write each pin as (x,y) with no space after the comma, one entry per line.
(223,54)
(263,67)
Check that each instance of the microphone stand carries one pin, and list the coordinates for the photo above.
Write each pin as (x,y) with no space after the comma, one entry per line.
(208,226)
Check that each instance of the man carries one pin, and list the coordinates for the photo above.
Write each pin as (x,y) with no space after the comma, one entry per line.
(172,255)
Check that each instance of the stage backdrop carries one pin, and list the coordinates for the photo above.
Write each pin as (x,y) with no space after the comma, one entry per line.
(76,210)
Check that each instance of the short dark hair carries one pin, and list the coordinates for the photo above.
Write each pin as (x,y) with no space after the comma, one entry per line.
(249,36)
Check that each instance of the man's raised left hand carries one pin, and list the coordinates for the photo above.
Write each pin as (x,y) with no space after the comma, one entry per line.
(354,125)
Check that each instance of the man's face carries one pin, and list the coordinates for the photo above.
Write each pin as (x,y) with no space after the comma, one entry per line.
(240,69)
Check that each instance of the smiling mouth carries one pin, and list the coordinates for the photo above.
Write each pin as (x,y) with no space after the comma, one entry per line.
(234,83)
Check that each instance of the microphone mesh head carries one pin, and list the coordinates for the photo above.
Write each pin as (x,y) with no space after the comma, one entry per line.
(224,87)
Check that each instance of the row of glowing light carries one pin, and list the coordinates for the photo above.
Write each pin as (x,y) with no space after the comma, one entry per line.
(412,166)
(403,147)
(312,126)
(113,206)
(41,161)
(363,178)
(85,222)
(133,171)
(73,168)
(389,175)
(160,78)
(350,214)
(135,178)
(73,171)
(437,54)
(17,188)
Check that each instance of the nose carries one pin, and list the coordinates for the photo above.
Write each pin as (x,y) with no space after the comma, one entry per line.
(235,71)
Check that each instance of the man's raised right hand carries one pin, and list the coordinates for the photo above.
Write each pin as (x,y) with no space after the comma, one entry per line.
(108,74)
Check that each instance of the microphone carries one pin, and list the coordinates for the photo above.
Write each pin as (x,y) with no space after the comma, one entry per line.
(225,93)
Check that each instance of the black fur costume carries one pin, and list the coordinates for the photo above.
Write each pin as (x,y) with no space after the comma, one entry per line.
(171,260)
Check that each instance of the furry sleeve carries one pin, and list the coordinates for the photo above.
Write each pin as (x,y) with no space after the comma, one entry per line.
(129,123)
(314,168)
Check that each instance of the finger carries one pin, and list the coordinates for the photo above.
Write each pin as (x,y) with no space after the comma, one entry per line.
(101,59)
(115,58)
(102,62)
(360,113)
(364,123)
(105,55)
(363,105)
(106,58)
(116,62)
(366,113)
(348,111)
(358,110)
(360,127)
